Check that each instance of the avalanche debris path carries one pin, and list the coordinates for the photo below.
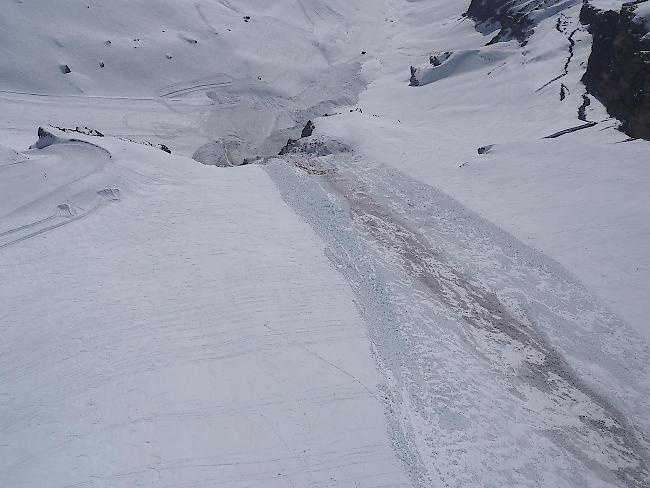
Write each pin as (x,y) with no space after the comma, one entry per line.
(189,330)
(492,354)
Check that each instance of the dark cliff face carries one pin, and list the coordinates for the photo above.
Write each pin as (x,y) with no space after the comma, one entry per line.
(618,72)
(506,15)
(515,19)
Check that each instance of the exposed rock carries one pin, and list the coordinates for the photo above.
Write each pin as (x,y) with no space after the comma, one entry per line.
(512,21)
(294,145)
(485,149)
(565,70)
(618,72)
(252,160)
(413,81)
(563,92)
(314,147)
(290,147)
(512,18)
(570,130)
(438,58)
(45,139)
(582,109)
(308,129)
(162,147)
(89,132)
(81,130)
(65,69)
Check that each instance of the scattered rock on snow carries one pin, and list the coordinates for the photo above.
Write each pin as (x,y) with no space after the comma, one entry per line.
(81,130)
(313,146)
(289,147)
(438,58)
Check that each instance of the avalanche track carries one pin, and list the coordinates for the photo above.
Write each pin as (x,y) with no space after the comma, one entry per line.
(176,324)
(492,355)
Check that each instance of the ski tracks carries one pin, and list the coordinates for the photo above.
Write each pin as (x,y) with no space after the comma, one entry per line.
(59,178)
(64,214)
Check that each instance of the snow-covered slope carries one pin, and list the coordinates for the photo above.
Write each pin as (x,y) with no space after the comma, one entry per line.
(149,46)
(581,198)
(186,72)
(446,285)
(166,323)
(170,324)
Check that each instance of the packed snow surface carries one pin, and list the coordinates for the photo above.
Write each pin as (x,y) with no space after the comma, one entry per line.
(446,285)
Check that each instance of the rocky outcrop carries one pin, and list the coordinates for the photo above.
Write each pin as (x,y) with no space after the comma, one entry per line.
(511,21)
(413,80)
(308,130)
(437,59)
(514,19)
(296,145)
(314,147)
(618,72)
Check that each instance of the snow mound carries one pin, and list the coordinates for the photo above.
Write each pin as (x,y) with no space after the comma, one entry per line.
(48,138)
(461,62)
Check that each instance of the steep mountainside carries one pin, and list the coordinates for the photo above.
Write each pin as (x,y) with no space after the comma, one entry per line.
(514,19)
(618,70)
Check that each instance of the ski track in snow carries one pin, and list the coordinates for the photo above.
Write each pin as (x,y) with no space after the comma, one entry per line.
(490,352)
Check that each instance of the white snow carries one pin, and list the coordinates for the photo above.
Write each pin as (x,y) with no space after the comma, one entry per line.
(314,320)
(642,11)
(164,322)
(582,198)
(182,328)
